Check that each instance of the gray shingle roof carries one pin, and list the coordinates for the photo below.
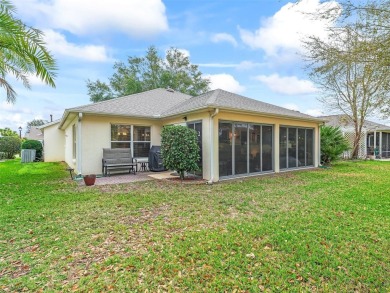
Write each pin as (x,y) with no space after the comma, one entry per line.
(147,104)
(226,100)
(161,103)
(34,133)
(344,121)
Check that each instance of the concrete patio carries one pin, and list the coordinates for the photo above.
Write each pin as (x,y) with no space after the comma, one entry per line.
(130,178)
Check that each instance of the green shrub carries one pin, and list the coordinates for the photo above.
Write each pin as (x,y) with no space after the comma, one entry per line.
(9,146)
(179,149)
(333,144)
(34,145)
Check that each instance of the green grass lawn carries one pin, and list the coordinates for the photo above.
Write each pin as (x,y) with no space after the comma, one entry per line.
(319,230)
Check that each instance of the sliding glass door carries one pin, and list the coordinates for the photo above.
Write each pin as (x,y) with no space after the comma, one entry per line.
(240,148)
(245,148)
(225,149)
(197,126)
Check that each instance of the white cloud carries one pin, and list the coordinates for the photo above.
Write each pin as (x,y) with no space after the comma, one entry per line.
(282,33)
(224,81)
(311,112)
(12,120)
(290,85)
(6,106)
(58,45)
(139,18)
(247,65)
(291,107)
(243,65)
(35,80)
(224,37)
(185,52)
(218,65)
(314,112)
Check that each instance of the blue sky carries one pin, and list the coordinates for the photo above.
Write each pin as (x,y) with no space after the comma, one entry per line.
(250,47)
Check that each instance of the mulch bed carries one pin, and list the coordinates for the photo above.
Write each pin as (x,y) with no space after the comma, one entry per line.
(187,180)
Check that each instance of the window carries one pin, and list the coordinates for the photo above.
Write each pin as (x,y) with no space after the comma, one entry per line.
(137,138)
(120,136)
(141,141)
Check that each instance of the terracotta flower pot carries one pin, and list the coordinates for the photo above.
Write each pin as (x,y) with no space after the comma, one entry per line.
(89,179)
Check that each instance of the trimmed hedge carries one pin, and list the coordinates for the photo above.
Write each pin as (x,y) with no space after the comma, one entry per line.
(180,149)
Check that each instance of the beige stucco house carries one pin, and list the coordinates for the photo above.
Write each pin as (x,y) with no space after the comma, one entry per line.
(238,136)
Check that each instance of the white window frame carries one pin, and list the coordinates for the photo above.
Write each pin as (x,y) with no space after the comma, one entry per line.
(131,142)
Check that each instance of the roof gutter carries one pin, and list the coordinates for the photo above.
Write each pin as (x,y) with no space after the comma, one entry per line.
(211,122)
(243,111)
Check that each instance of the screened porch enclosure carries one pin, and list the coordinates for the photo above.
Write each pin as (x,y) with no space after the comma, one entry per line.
(245,148)
(378,144)
(385,153)
(296,147)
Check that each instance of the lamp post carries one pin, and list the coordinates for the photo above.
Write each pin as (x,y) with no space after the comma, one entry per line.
(20,132)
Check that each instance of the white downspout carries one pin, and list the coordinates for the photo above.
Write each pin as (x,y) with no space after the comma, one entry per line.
(211,121)
(79,145)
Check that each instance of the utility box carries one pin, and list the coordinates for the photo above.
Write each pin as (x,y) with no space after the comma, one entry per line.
(28,155)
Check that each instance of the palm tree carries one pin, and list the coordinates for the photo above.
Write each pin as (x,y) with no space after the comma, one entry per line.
(22,52)
(333,144)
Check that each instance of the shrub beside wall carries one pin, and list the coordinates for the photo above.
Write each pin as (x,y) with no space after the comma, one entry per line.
(34,145)
(180,149)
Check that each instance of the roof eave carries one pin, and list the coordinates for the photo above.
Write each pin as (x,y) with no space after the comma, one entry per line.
(67,113)
(48,124)
(63,118)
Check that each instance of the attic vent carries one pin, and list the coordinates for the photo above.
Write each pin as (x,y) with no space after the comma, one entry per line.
(170,90)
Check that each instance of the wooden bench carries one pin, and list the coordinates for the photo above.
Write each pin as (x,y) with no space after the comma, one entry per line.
(118,159)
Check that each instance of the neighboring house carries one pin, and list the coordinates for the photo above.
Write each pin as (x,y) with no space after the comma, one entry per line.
(375,137)
(53,143)
(238,136)
(34,134)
